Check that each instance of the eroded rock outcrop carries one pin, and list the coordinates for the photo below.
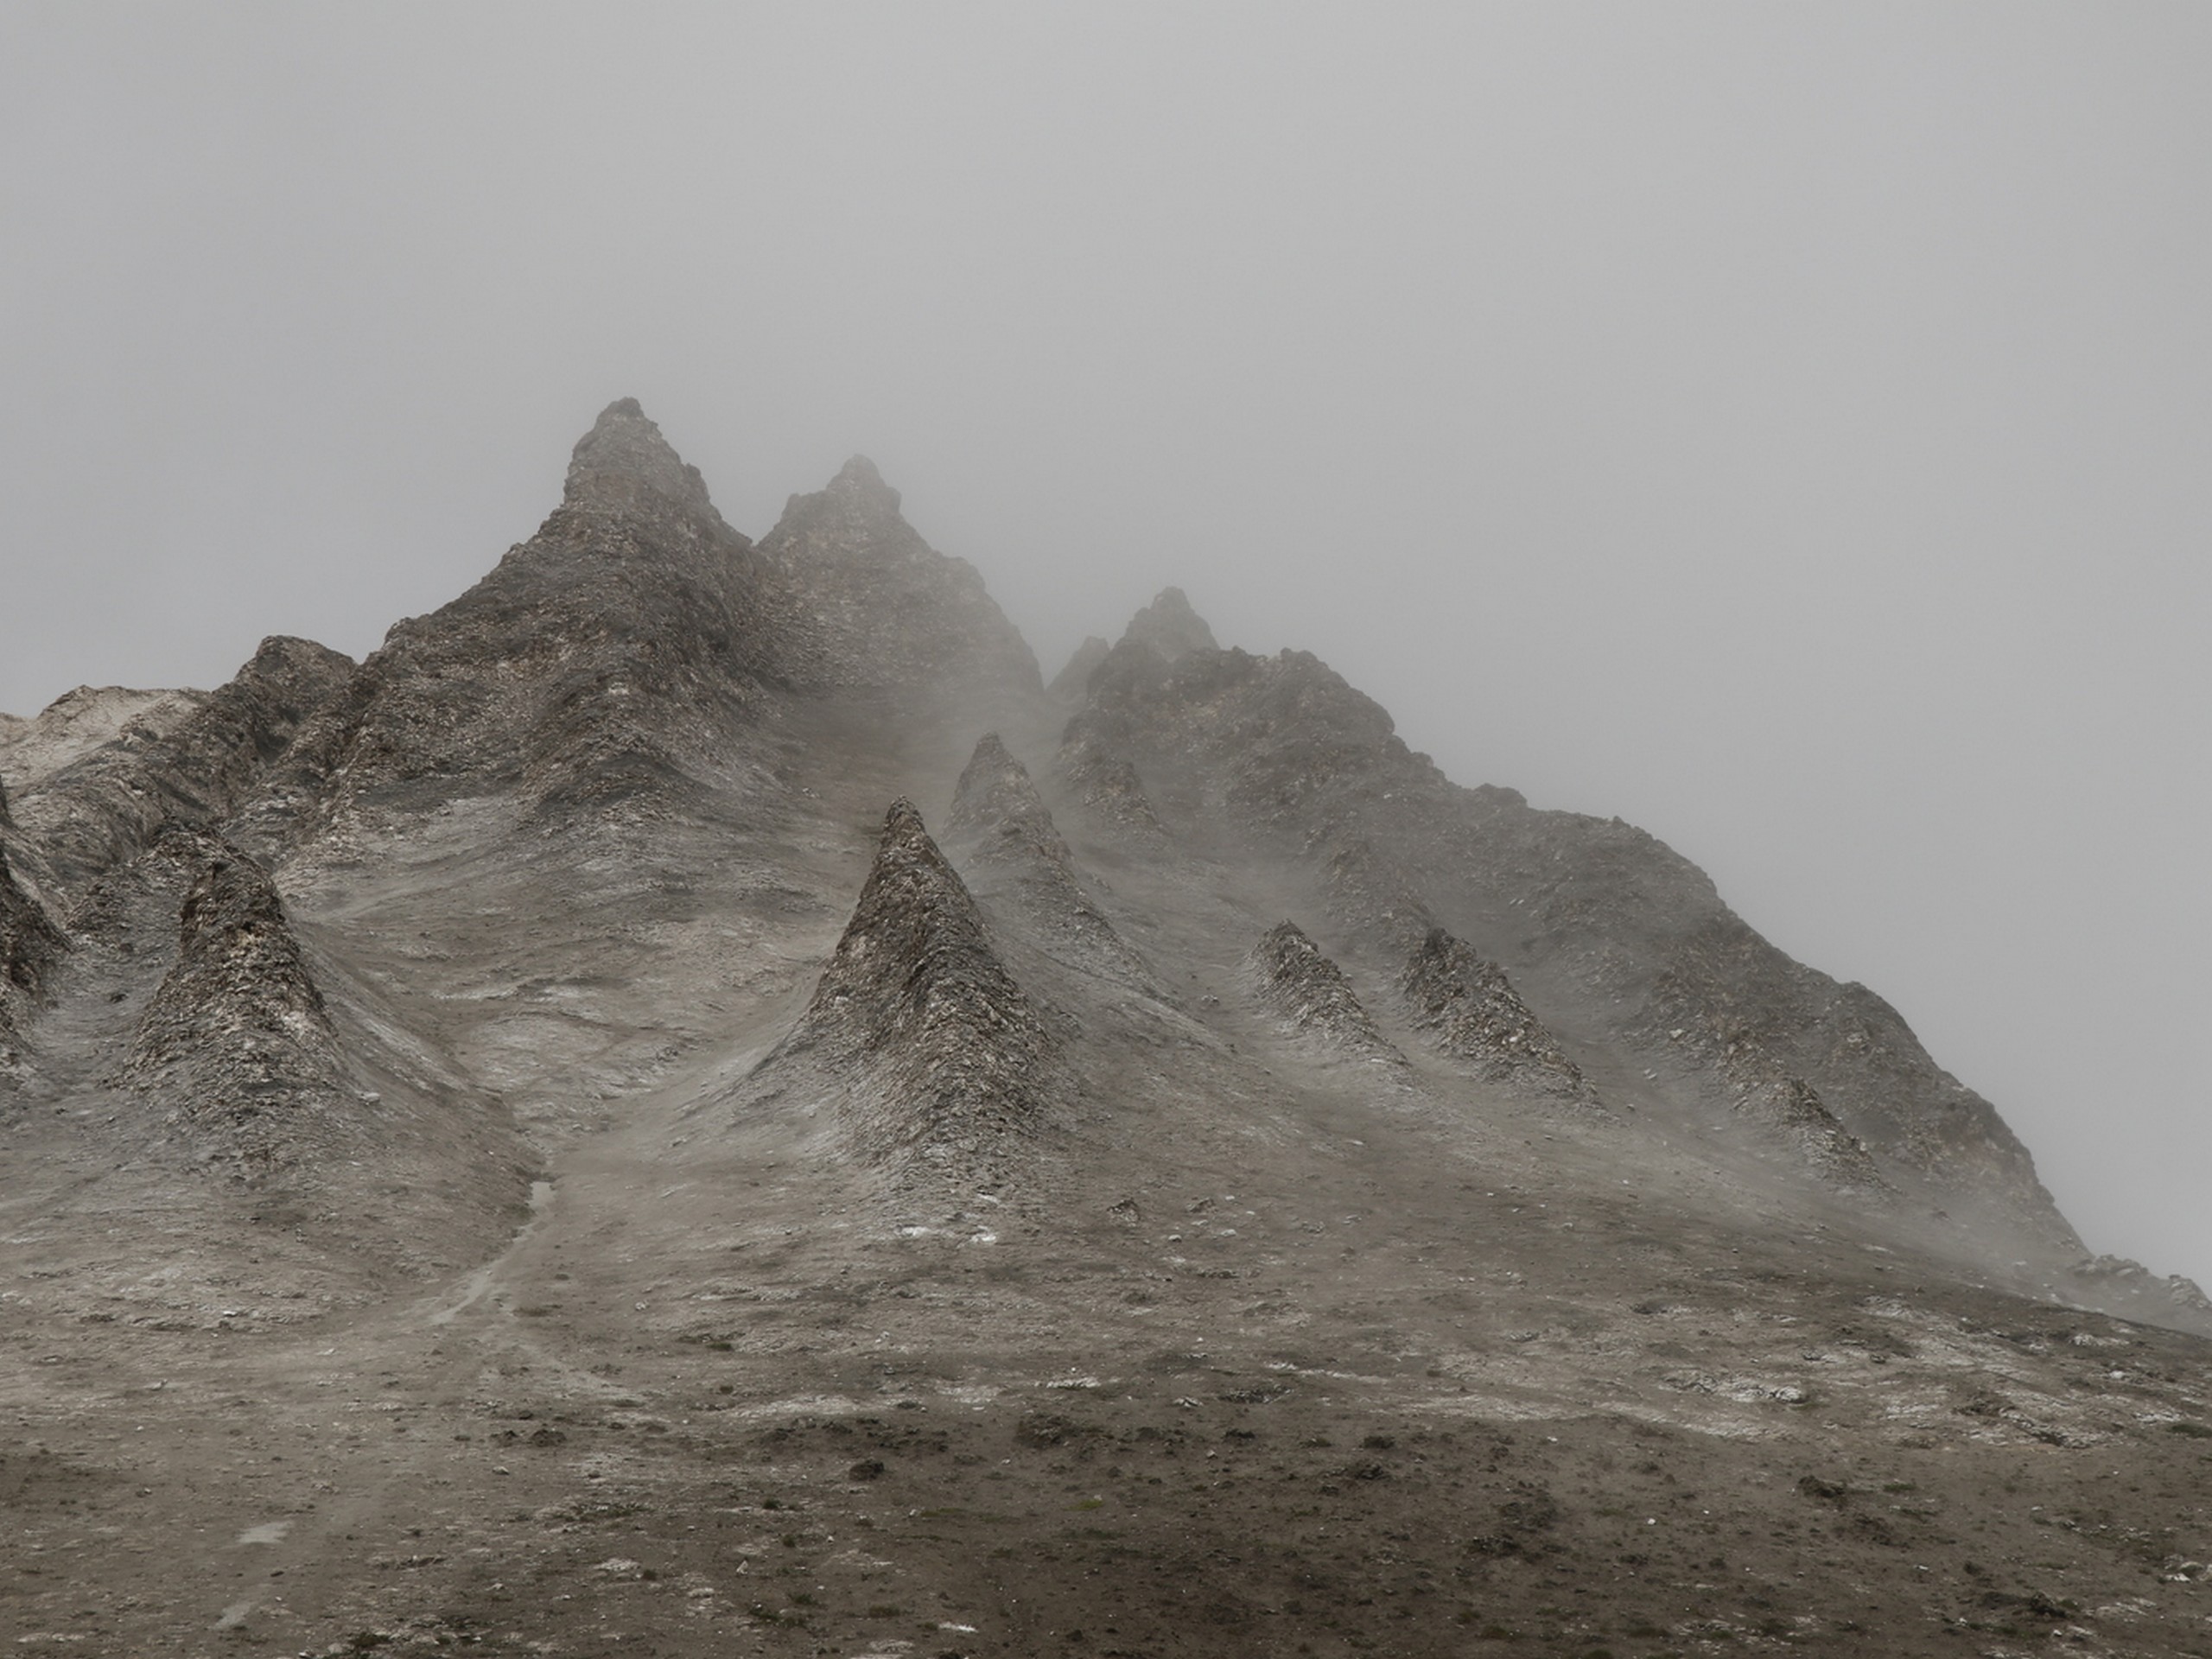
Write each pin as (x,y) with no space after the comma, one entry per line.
(1792,1109)
(1309,995)
(933,1051)
(104,808)
(1017,861)
(237,1043)
(1469,1011)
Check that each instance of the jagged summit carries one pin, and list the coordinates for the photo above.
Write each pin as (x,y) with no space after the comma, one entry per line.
(624,465)
(935,1049)
(854,516)
(995,806)
(1169,626)
(875,607)
(859,494)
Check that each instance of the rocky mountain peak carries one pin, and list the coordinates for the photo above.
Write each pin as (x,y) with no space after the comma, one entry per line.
(859,492)
(624,465)
(875,606)
(855,516)
(1170,627)
(1072,684)
(995,802)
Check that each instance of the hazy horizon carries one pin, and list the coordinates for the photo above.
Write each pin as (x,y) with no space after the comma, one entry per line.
(1782,429)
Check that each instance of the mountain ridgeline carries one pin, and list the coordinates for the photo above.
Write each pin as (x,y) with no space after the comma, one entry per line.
(645,815)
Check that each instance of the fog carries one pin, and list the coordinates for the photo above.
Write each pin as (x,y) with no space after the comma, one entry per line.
(1783,428)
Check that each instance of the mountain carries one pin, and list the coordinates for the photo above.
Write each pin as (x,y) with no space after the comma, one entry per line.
(693,1100)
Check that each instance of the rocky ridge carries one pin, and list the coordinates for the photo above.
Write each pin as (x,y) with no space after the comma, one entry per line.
(111,802)
(1280,757)
(876,608)
(1072,683)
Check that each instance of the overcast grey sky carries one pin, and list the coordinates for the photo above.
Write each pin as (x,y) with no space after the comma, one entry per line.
(1784,427)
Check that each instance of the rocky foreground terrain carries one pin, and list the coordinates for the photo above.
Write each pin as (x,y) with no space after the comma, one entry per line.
(692,1103)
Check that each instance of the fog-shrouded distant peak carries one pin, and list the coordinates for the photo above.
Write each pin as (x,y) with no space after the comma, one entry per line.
(624,464)
(1170,627)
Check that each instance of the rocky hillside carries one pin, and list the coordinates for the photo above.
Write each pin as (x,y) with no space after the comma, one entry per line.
(529,1142)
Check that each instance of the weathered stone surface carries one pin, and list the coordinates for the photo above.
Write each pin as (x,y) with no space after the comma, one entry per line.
(1104,782)
(237,1043)
(30,946)
(875,608)
(107,806)
(1005,837)
(1310,996)
(1468,1009)
(941,1055)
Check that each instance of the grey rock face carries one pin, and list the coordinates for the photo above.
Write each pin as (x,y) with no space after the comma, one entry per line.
(1469,1010)
(599,667)
(1105,780)
(108,806)
(1793,1108)
(1280,757)
(1309,995)
(945,1057)
(1170,628)
(1004,836)
(237,1041)
(875,607)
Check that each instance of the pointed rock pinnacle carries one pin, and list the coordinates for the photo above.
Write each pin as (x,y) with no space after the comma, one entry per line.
(1170,627)
(625,464)
(942,1052)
